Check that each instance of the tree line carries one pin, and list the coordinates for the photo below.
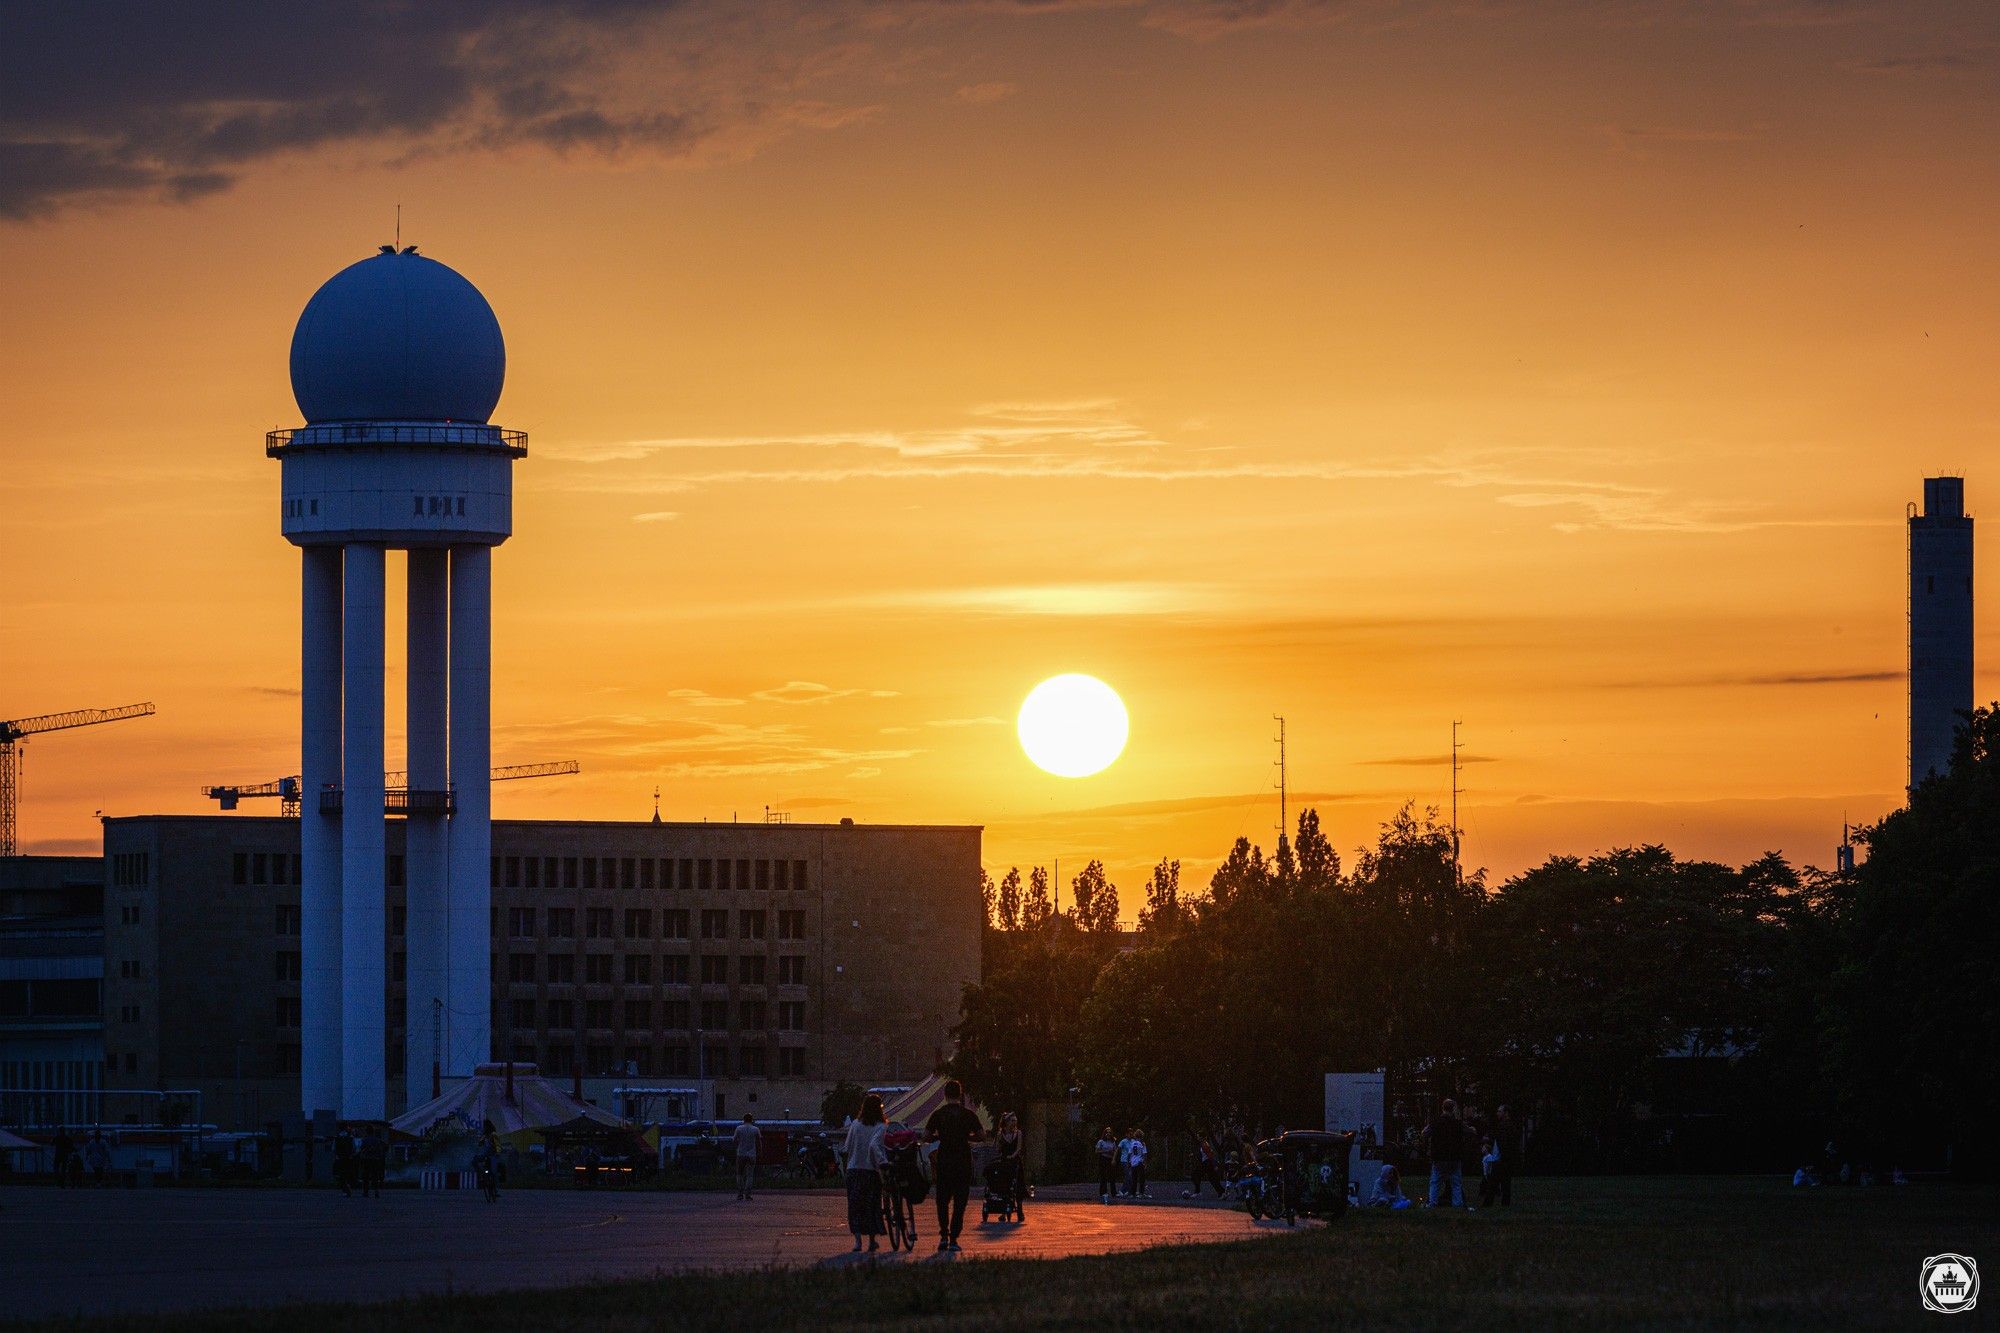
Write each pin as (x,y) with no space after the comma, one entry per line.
(1642,1010)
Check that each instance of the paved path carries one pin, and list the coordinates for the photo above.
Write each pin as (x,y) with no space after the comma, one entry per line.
(100,1251)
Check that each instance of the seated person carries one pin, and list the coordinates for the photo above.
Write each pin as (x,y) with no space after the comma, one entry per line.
(1388,1191)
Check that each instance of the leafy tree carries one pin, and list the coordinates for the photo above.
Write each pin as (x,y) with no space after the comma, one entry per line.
(1017,1031)
(1164,912)
(1095,899)
(1242,874)
(1007,900)
(987,895)
(1036,909)
(842,1101)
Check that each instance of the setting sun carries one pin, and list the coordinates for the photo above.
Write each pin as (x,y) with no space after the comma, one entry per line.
(1073,725)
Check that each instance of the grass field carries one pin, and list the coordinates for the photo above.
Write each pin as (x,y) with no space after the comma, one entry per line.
(1686,1253)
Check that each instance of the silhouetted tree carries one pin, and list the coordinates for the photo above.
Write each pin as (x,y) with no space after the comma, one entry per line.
(1036,909)
(986,895)
(1163,913)
(1095,899)
(1007,900)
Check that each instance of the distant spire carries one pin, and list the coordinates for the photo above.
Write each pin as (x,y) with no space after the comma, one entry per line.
(656,805)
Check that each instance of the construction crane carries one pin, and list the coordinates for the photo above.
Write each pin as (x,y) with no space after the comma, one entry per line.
(395,786)
(14,732)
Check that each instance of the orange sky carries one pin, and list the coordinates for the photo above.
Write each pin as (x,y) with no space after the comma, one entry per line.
(1564,369)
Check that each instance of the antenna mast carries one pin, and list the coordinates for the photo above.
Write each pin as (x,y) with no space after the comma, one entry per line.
(1457,868)
(1281,774)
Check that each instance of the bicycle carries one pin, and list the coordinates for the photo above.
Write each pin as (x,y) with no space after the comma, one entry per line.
(899,1218)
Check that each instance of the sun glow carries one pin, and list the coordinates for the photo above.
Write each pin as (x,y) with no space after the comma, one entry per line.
(1073,725)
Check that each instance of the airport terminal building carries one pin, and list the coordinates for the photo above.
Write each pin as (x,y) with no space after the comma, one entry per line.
(757,963)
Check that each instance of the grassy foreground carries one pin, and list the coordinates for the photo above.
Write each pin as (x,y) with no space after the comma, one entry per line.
(1688,1253)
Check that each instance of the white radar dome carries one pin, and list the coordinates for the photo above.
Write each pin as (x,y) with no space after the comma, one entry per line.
(398,337)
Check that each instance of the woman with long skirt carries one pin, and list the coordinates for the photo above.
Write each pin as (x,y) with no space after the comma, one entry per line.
(865,1159)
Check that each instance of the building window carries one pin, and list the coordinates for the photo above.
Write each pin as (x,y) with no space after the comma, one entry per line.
(597,968)
(639,1060)
(638,1015)
(722,876)
(752,1059)
(531,873)
(288,1059)
(513,872)
(128,1013)
(399,921)
(638,969)
(288,1011)
(791,1062)
(674,969)
(395,872)
(782,879)
(521,922)
(298,868)
(791,969)
(288,918)
(562,923)
(597,1015)
(715,1064)
(399,1011)
(754,1016)
(260,868)
(715,1015)
(676,1062)
(562,1014)
(799,876)
(792,1015)
(569,872)
(562,967)
(714,970)
(625,876)
(743,875)
(597,923)
(791,925)
(521,967)
(639,922)
(523,1015)
(646,875)
(750,969)
(750,925)
(562,1057)
(705,874)
(240,872)
(674,923)
(674,1015)
(763,875)
(589,868)
(714,923)
(524,1054)
(548,872)
(686,865)
(288,965)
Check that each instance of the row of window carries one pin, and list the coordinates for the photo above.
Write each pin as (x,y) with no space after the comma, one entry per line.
(752,969)
(638,1015)
(750,1061)
(600,923)
(646,874)
(129,869)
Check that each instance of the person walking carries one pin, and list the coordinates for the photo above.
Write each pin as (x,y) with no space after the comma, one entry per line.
(1445,1138)
(343,1161)
(1206,1167)
(97,1156)
(862,1150)
(486,1163)
(1125,1163)
(747,1139)
(64,1148)
(372,1157)
(1136,1164)
(1014,1159)
(1107,1165)
(1507,1140)
(953,1129)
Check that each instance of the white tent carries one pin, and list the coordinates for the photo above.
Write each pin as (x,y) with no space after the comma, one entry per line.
(519,1104)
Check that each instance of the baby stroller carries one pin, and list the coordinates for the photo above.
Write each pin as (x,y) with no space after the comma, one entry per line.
(904,1185)
(1006,1188)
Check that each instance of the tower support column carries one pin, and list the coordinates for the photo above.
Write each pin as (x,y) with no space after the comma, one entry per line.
(363,925)
(468,1013)
(426,847)
(319,834)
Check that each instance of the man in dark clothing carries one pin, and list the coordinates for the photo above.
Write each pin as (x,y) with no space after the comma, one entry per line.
(953,1128)
(1446,1141)
(1507,1140)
